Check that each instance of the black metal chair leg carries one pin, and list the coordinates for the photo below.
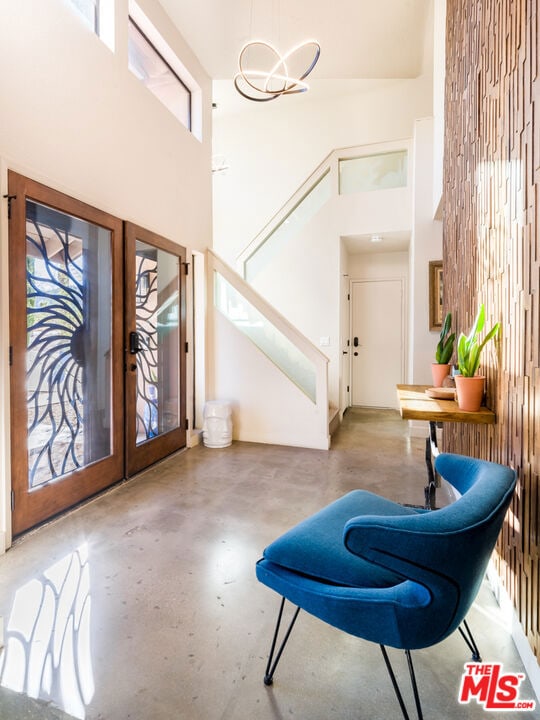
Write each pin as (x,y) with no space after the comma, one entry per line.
(467,635)
(271,668)
(414,685)
(394,682)
(396,686)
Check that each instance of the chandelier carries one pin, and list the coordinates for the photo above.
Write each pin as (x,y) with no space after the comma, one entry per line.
(265,74)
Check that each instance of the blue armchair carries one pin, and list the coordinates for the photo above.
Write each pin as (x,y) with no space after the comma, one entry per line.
(394,575)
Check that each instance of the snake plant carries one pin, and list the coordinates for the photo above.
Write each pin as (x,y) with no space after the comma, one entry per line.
(445,346)
(469,346)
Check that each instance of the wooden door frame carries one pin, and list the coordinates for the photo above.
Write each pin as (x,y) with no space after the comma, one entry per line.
(140,457)
(30,508)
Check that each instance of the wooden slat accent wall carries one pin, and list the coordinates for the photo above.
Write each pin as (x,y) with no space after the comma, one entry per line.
(492,253)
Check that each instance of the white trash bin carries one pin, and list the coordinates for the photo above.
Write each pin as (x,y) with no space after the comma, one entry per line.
(217,425)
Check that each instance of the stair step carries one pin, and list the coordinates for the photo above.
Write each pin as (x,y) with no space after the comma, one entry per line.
(333,419)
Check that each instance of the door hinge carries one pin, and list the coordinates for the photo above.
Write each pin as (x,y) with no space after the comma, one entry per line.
(11,355)
(9,198)
(348,296)
(348,389)
(186,268)
(187,347)
(187,424)
(13,499)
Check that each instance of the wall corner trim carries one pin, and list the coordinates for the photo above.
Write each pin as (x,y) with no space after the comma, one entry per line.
(518,636)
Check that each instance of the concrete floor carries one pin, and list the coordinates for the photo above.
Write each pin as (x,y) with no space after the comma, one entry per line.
(143,604)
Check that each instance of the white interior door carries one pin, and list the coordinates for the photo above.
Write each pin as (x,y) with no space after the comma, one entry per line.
(377,342)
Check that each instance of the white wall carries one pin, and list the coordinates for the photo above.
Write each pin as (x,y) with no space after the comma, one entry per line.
(439,73)
(266,406)
(378,266)
(75,118)
(379,211)
(426,245)
(271,150)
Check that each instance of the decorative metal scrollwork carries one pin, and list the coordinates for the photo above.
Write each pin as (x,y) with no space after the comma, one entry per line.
(55,352)
(146,299)
(68,349)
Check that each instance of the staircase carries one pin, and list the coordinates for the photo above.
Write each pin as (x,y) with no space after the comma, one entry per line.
(285,299)
(276,376)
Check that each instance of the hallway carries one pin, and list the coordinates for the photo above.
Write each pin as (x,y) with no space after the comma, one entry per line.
(154,583)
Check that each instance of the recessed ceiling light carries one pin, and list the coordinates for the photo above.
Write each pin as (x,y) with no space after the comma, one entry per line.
(376,238)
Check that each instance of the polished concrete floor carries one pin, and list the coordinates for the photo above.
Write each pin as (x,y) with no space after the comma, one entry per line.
(143,604)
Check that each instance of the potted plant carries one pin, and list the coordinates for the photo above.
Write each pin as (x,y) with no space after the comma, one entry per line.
(440,369)
(469,385)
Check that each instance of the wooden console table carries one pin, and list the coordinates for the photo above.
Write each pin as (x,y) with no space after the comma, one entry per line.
(415,404)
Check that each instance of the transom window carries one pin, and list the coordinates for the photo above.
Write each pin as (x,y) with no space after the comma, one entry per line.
(157,74)
(382,171)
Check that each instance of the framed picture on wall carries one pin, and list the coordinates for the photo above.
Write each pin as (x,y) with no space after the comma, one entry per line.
(435,294)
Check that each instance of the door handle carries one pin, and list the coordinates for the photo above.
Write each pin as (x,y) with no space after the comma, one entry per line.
(135,343)
(355,342)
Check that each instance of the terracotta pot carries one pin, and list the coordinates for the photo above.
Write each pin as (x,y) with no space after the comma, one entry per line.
(470,392)
(439,371)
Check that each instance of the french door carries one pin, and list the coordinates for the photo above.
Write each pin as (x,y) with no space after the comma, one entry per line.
(155,325)
(74,406)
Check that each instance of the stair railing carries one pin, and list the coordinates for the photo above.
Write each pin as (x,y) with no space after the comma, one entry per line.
(282,343)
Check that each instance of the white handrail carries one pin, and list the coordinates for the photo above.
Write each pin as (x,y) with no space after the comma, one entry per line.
(293,202)
(328,165)
(300,341)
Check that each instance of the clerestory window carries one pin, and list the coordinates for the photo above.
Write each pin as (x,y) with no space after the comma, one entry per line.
(153,70)
(89,9)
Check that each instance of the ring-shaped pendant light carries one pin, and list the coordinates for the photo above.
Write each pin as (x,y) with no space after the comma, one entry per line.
(262,85)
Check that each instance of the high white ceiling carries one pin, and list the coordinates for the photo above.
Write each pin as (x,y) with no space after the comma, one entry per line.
(358,38)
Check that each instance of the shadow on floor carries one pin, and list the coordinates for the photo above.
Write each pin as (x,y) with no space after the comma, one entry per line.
(143,604)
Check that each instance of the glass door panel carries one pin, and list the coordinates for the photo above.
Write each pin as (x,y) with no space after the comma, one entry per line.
(157,319)
(66,334)
(155,349)
(68,351)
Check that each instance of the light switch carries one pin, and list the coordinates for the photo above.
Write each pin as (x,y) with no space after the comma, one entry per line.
(324,341)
